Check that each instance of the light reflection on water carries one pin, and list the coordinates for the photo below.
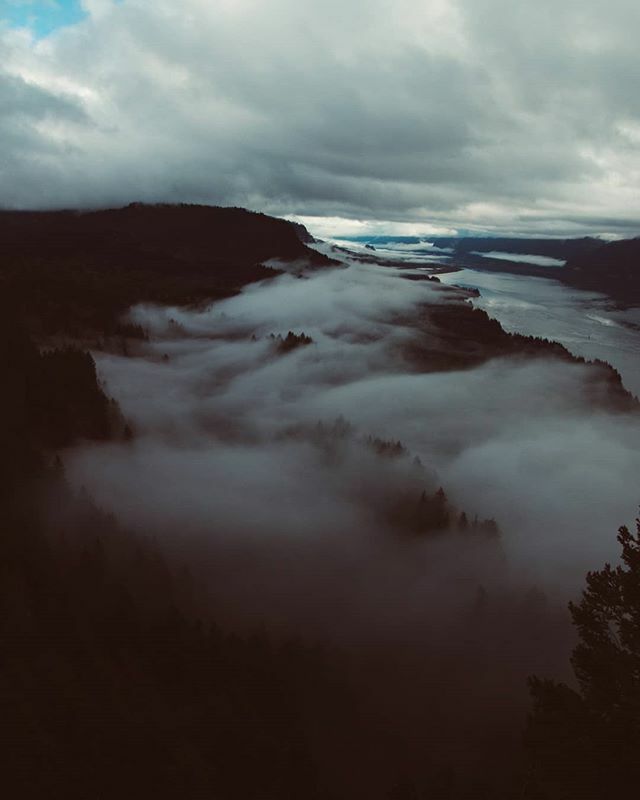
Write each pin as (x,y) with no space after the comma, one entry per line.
(585,322)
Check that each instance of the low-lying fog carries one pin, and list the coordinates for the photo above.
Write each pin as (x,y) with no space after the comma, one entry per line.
(288,523)
(541,261)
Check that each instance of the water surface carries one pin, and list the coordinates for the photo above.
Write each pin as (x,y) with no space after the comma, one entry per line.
(587,323)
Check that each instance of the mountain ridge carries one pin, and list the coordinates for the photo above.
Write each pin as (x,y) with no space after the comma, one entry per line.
(71,271)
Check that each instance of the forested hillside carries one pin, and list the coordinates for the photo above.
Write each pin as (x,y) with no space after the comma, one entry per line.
(76,273)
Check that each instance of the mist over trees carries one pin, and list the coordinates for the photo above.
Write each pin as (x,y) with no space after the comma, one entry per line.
(265,569)
(114,674)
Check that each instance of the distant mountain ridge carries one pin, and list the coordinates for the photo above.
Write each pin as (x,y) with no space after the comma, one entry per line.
(612,268)
(562,249)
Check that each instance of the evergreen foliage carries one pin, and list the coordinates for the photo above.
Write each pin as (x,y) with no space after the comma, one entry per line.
(584,743)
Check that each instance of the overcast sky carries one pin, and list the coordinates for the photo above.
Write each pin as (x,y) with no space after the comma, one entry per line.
(433,115)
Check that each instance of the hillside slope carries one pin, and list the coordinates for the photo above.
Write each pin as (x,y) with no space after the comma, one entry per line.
(71,271)
(612,268)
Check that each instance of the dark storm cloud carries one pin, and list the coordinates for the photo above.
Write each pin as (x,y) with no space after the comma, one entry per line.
(495,114)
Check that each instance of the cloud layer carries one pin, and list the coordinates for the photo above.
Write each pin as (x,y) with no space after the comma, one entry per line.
(512,115)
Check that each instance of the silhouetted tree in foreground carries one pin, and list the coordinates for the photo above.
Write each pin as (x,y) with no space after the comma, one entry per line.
(586,743)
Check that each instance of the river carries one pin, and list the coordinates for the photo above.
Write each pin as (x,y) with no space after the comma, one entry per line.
(585,322)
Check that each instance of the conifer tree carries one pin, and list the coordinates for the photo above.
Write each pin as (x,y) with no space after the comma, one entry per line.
(586,743)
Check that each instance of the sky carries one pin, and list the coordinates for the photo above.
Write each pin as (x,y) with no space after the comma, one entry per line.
(412,116)
(42,17)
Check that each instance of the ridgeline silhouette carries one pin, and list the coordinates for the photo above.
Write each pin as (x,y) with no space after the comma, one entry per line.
(77,272)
